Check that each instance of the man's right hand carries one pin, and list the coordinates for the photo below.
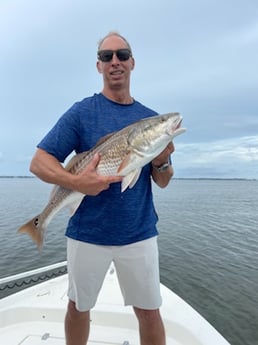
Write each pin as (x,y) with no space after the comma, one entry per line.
(89,182)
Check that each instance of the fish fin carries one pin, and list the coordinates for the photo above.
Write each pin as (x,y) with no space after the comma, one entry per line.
(125,162)
(35,230)
(74,206)
(132,157)
(135,179)
(70,165)
(130,179)
(103,139)
(53,191)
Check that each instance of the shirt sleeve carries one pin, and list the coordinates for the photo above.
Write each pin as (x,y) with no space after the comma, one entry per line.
(63,138)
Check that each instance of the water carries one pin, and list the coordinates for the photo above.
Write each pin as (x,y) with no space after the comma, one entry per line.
(208,245)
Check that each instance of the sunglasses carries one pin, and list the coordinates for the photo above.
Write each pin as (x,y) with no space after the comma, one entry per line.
(107,55)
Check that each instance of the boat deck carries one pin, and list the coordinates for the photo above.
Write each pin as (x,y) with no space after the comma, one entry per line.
(35,316)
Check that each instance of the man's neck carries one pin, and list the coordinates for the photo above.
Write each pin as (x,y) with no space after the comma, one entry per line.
(118,96)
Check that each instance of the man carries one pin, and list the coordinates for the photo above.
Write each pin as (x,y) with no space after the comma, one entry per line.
(109,225)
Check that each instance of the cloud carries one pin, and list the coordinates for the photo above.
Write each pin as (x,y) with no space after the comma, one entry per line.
(224,158)
(198,58)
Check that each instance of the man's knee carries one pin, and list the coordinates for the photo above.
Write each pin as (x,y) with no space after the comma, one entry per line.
(74,313)
(147,316)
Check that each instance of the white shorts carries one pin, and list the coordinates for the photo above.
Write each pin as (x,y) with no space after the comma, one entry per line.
(137,267)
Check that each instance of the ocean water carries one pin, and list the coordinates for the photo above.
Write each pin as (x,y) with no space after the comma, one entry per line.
(208,245)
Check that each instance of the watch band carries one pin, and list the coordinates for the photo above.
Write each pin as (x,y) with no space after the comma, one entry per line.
(161,168)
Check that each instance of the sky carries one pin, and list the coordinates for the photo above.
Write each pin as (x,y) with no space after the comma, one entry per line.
(196,57)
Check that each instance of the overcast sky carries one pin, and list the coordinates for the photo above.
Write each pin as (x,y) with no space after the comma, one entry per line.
(198,57)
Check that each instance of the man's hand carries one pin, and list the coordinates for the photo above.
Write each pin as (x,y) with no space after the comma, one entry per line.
(162,178)
(89,182)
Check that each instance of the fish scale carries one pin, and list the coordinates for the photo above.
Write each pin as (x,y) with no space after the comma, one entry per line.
(123,153)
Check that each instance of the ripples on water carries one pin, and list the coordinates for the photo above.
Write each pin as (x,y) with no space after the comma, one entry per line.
(209,251)
(208,245)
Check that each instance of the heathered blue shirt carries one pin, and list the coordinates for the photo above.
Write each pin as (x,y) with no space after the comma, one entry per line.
(111,217)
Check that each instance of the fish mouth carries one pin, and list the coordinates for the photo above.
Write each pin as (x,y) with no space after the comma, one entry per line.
(176,128)
(179,123)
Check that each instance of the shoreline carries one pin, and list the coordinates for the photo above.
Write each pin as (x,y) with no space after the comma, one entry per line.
(175,178)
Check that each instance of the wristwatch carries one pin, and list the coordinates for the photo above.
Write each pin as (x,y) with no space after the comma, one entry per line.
(161,168)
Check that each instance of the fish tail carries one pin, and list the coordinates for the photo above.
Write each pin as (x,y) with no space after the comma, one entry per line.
(34,229)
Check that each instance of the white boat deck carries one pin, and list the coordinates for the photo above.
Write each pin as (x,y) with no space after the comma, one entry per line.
(35,316)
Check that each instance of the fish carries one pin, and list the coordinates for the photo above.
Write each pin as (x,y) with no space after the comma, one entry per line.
(122,153)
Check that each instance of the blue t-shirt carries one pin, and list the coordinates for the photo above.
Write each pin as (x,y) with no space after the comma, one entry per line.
(111,217)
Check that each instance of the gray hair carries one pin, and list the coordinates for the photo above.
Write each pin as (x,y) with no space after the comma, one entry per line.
(114,33)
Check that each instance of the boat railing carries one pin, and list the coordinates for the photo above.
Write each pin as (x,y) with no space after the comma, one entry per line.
(20,281)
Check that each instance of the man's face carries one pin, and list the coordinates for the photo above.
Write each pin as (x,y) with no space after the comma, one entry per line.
(116,73)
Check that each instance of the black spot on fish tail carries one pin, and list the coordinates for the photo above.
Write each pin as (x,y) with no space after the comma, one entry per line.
(36,222)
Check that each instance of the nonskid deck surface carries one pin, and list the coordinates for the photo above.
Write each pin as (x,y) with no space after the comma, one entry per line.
(55,335)
(35,333)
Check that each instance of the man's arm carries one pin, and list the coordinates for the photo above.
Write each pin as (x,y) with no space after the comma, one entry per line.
(162,178)
(89,182)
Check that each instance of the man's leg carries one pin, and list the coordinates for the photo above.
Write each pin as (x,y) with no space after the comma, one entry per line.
(151,327)
(77,325)
(87,265)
